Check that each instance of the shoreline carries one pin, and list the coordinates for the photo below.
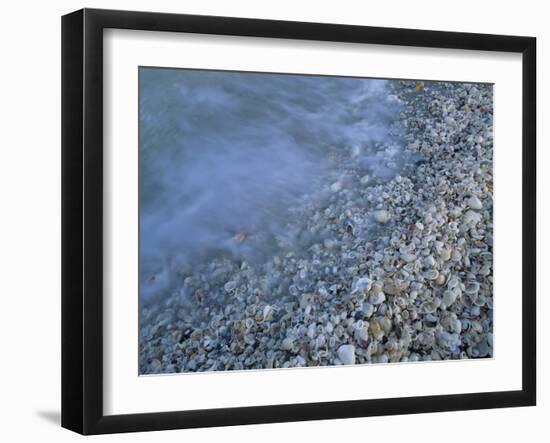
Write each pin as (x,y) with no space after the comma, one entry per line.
(419,290)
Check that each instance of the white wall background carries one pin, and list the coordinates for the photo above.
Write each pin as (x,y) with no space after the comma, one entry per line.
(30,218)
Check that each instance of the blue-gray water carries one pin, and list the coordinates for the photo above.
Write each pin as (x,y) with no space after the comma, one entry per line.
(225,154)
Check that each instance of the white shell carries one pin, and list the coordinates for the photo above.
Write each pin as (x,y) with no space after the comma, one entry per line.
(268,313)
(475,203)
(361,285)
(408,257)
(377,299)
(363,333)
(471,288)
(431,274)
(471,217)
(450,296)
(381,216)
(346,354)
(445,253)
(287,344)
(336,186)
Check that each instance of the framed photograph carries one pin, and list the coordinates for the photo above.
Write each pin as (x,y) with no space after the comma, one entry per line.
(268,221)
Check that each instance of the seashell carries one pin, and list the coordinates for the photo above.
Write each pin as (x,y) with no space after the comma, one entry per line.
(431,274)
(268,313)
(339,331)
(448,341)
(375,329)
(440,280)
(450,296)
(427,338)
(155,366)
(249,339)
(250,310)
(361,285)
(474,312)
(305,300)
(376,287)
(485,270)
(346,354)
(408,257)
(453,282)
(429,307)
(368,309)
(329,243)
(477,326)
(230,286)
(377,299)
(395,287)
(381,216)
(363,333)
(287,344)
(482,349)
(480,300)
(320,341)
(429,261)
(471,288)
(385,324)
(445,254)
(311,330)
(475,203)
(382,309)
(471,218)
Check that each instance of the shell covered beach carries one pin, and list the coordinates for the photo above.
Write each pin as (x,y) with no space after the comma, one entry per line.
(378,248)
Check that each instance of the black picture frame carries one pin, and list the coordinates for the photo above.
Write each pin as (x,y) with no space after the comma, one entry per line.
(82,218)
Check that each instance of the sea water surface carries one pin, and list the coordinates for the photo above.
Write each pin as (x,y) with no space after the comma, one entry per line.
(226,154)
